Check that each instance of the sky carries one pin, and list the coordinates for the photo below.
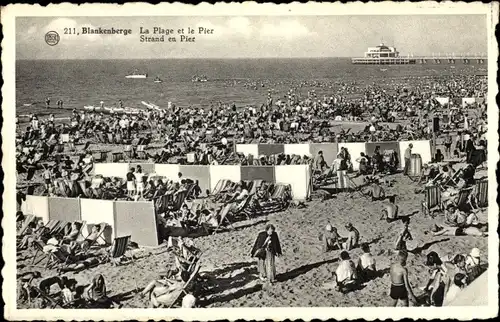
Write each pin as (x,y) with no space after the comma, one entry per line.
(255,36)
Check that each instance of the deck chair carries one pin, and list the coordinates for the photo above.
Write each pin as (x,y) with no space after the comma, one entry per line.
(29,219)
(118,249)
(220,186)
(255,185)
(241,207)
(463,200)
(83,188)
(188,283)
(52,303)
(110,138)
(223,217)
(432,200)
(91,242)
(481,193)
(453,180)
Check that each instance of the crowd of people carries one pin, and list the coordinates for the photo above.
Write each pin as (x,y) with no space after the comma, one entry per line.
(51,153)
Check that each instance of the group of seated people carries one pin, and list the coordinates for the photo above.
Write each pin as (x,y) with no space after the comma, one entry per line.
(234,200)
(350,274)
(69,294)
(449,276)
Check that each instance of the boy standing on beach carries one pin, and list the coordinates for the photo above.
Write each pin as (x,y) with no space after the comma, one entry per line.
(400,287)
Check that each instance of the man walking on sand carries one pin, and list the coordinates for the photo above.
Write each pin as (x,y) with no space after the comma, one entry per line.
(400,287)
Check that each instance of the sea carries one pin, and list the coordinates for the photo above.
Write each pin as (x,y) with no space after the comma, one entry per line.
(240,81)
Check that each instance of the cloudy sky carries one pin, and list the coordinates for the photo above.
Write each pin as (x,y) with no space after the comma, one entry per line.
(255,36)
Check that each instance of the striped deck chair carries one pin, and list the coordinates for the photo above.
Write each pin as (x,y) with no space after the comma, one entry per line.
(432,200)
(29,219)
(63,189)
(83,188)
(88,243)
(453,180)
(256,184)
(119,249)
(110,137)
(221,184)
(223,217)
(482,193)
(463,200)
(241,206)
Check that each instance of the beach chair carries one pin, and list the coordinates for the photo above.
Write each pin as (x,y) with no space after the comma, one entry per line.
(29,219)
(52,303)
(241,207)
(256,184)
(432,200)
(91,242)
(220,186)
(141,153)
(223,217)
(463,200)
(481,193)
(110,137)
(118,250)
(186,286)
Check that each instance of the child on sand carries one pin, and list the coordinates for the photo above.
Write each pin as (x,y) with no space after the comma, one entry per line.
(400,286)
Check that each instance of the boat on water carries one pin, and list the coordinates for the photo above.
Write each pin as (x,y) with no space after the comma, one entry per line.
(383,55)
(383,69)
(136,75)
(199,79)
(158,80)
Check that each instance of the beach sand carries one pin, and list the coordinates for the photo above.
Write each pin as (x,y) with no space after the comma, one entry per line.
(303,269)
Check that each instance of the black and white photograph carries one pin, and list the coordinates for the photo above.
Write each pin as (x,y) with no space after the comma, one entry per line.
(292,161)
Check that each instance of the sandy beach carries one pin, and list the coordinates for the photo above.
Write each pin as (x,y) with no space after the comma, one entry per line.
(231,273)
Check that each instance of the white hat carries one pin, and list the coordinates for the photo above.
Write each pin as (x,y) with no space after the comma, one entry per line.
(188,301)
(475,252)
(329,227)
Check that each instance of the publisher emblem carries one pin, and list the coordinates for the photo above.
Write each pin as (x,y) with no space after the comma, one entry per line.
(52,38)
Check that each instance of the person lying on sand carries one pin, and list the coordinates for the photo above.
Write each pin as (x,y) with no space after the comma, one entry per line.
(81,265)
(457,231)
(400,286)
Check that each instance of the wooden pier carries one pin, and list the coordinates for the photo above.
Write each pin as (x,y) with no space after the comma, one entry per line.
(432,59)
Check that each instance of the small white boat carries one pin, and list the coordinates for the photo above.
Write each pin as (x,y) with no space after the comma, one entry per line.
(137,76)
(158,81)
(383,69)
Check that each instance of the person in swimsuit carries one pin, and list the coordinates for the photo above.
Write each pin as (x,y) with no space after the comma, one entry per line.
(400,287)
(457,231)
(405,235)
(391,212)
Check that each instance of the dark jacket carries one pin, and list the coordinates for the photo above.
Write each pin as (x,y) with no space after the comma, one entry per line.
(275,246)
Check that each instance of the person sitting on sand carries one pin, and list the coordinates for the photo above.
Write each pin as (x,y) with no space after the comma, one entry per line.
(366,264)
(390,213)
(364,164)
(376,192)
(95,293)
(400,286)
(457,231)
(345,274)
(352,237)
(330,239)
